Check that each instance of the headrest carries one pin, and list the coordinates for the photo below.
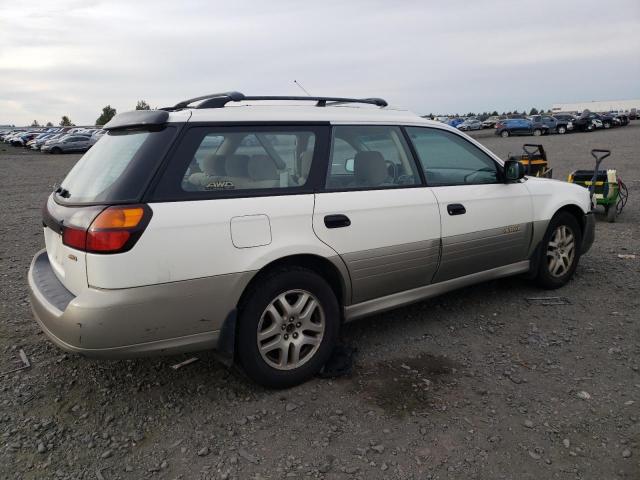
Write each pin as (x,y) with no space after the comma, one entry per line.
(214,165)
(261,167)
(237,166)
(369,168)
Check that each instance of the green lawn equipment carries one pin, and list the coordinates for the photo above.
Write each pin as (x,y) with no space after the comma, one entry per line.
(534,160)
(605,185)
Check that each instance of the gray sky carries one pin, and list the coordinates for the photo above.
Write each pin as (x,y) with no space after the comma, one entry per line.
(73,57)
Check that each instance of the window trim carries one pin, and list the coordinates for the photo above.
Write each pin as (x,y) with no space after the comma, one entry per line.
(410,157)
(174,166)
(499,167)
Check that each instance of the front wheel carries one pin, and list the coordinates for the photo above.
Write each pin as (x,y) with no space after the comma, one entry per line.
(287,328)
(504,133)
(560,251)
(56,150)
(537,132)
(562,129)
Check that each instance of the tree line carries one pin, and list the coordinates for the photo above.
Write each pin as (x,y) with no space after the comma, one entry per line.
(108,112)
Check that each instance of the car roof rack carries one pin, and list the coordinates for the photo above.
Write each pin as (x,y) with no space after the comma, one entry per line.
(219,100)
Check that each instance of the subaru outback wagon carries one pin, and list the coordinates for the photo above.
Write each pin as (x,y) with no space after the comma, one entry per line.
(258,228)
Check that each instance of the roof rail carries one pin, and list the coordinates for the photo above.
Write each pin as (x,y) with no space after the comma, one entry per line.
(219,100)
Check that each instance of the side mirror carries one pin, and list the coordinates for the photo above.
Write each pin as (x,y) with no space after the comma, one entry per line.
(513,171)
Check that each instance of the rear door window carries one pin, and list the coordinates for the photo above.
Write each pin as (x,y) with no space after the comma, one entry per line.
(370,157)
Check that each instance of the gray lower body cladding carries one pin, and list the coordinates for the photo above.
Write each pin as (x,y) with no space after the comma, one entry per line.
(164,318)
(381,271)
(484,250)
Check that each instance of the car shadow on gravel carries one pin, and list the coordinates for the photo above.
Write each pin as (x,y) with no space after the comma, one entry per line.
(406,385)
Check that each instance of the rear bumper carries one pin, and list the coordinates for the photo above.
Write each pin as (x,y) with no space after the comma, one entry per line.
(152,320)
(589,233)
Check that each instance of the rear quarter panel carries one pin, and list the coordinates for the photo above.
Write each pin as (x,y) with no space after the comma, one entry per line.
(193,239)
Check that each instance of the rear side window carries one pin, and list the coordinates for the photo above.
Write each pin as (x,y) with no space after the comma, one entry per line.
(449,159)
(248,160)
(117,168)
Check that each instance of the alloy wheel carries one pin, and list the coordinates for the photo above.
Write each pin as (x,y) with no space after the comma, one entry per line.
(561,251)
(291,329)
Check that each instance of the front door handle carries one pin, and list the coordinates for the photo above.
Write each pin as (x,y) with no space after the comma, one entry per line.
(456,209)
(336,221)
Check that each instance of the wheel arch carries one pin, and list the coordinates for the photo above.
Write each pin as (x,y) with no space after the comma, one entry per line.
(575,211)
(334,271)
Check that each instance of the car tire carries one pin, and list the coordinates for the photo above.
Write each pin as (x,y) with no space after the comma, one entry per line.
(537,132)
(611,212)
(589,128)
(56,150)
(607,125)
(560,251)
(562,129)
(271,325)
(504,133)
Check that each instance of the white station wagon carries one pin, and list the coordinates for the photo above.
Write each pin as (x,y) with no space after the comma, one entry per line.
(257,228)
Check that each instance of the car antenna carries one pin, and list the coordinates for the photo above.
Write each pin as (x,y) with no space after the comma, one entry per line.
(302,88)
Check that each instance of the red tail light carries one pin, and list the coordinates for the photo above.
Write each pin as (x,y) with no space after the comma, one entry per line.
(115,230)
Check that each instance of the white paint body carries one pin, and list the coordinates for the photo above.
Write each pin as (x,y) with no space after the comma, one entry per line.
(194,239)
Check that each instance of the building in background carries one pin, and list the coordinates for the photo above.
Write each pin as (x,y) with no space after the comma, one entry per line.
(597,106)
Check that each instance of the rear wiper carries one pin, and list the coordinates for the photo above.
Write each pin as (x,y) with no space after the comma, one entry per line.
(63,192)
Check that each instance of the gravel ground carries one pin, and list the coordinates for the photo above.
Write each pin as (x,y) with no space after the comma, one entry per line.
(478,383)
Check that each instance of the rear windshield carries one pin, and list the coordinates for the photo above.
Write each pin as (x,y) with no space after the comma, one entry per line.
(117,168)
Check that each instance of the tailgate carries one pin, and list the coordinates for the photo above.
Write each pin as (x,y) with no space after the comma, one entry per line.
(68,264)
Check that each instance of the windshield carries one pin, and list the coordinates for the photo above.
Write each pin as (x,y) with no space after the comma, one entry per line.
(117,168)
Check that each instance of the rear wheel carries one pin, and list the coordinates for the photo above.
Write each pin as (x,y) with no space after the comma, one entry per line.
(560,251)
(537,132)
(562,129)
(287,328)
(504,133)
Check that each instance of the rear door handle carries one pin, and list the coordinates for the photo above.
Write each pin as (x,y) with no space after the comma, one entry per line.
(456,209)
(336,221)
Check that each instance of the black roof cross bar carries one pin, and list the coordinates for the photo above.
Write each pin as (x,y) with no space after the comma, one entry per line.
(322,101)
(219,100)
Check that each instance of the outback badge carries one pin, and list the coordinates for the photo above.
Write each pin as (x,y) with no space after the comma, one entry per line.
(511,229)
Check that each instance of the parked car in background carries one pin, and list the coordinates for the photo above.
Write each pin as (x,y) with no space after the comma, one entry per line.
(37,145)
(470,124)
(555,125)
(565,117)
(67,144)
(491,121)
(633,114)
(589,121)
(623,117)
(454,122)
(97,135)
(520,126)
(21,140)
